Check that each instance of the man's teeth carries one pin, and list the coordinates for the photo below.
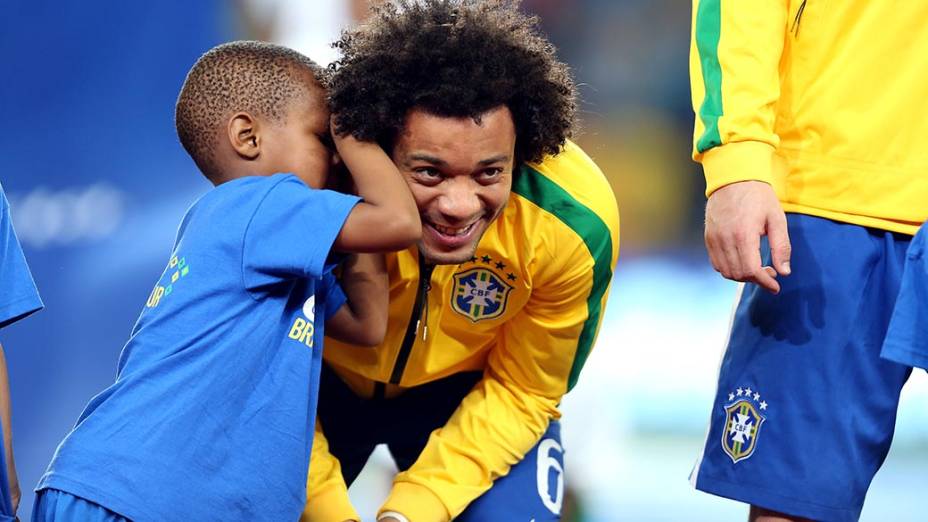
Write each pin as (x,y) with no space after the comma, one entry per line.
(452,231)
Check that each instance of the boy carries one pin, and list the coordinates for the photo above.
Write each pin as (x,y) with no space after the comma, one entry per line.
(212,411)
(18,298)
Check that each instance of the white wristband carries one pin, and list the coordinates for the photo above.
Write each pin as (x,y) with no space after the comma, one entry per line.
(394,514)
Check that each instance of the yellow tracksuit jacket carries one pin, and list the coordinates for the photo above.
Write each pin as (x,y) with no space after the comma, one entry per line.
(823,99)
(525,310)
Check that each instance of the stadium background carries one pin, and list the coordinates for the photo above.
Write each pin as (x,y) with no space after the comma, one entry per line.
(98,183)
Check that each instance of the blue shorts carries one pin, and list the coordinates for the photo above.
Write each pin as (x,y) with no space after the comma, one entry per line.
(805,407)
(906,342)
(52,505)
(533,488)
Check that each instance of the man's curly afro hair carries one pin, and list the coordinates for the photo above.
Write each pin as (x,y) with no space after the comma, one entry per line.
(452,58)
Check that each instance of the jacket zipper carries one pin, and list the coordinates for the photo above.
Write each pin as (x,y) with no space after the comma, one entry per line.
(798,19)
(422,298)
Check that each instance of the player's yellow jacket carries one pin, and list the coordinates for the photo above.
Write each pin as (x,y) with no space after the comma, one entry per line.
(823,99)
(525,310)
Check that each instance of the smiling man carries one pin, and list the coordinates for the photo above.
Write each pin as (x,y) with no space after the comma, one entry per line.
(460,172)
(494,312)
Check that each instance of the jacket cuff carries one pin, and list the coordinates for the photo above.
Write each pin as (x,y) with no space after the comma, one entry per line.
(739,161)
(329,504)
(416,502)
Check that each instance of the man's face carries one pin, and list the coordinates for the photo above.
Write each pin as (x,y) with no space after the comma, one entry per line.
(460,174)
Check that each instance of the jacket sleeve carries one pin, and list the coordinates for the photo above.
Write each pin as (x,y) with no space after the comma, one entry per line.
(537,358)
(326,492)
(735,55)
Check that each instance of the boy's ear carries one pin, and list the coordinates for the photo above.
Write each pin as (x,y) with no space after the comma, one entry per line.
(244,135)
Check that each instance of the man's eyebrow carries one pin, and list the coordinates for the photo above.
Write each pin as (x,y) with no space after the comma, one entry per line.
(494,159)
(442,163)
(428,159)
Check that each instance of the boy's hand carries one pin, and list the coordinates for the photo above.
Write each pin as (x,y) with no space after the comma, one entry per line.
(387,219)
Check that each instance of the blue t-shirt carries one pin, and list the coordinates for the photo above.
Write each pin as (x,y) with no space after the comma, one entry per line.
(212,412)
(907,338)
(18,296)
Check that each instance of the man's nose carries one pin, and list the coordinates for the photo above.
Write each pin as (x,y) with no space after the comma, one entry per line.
(459,202)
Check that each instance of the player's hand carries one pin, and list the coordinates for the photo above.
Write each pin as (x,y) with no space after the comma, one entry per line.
(737,215)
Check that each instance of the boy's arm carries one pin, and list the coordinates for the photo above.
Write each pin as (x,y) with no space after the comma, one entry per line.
(293,229)
(6,418)
(387,219)
(362,320)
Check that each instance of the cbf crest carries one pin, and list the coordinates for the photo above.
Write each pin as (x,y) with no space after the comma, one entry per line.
(479,294)
(743,420)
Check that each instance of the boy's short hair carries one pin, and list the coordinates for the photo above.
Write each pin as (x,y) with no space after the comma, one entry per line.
(255,77)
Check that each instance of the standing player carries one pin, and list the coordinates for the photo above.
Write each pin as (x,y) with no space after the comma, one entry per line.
(494,312)
(18,298)
(212,411)
(810,133)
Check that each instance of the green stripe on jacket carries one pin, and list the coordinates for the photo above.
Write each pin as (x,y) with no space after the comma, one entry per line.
(535,187)
(708,29)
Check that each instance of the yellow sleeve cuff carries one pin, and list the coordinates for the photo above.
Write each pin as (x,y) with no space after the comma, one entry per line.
(416,502)
(329,505)
(739,161)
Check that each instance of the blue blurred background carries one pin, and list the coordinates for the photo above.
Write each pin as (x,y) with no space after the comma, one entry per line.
(98,183)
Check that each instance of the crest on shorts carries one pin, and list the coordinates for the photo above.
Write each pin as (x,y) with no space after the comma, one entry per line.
(479,294)
(743,420)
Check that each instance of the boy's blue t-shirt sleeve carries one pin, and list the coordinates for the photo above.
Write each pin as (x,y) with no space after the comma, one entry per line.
(910,315)
(291,232)
(18,294)
(334,295)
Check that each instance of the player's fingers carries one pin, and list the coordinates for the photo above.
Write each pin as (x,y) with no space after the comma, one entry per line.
(716,254)
(770,280)
(766,279)
(723,251)
(751,268)
(727,254)
(778,236)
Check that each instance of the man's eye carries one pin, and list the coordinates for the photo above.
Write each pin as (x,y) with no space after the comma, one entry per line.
(428,172)
(491,173)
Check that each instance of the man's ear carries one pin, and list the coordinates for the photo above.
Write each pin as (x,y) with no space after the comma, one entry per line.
(244,135)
